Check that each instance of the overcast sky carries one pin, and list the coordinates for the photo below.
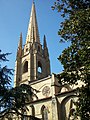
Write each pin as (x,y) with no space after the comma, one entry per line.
(14,19)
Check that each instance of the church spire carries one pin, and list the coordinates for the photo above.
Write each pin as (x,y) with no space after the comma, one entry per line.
(33,27)
(32,61)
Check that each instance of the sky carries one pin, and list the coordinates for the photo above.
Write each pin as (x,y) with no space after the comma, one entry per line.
(14,19)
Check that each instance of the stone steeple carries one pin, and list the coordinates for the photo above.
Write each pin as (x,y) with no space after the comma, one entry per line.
(32,62)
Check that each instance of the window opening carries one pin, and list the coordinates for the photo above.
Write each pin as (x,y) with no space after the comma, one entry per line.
(32,110)
(25,67)
(39,67)
(44,112)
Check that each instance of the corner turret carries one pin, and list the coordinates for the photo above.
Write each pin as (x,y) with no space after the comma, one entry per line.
(19,50)
(45,49)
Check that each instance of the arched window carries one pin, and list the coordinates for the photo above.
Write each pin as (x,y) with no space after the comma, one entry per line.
(32,110)
(44,112)
(25,67)
(39,67)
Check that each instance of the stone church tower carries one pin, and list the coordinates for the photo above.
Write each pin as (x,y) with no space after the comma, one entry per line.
(32,62)
(32,67)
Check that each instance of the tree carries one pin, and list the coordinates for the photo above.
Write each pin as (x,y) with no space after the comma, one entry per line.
(13,100)
(5,74)
(76,58)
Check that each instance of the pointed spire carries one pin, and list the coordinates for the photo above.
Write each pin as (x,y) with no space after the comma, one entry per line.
(20,41)
(33,27)
(44,44)
(19,51)
(45,49)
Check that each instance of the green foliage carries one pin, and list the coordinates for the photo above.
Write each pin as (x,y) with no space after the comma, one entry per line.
(12,100)
(5,75)
(76,58)
(83,103)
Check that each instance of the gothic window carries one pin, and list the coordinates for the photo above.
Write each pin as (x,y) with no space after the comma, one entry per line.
(44,112)
(32,110)
(39,67)
(25,67)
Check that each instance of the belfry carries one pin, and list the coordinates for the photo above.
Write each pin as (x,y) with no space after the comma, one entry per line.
(32,62)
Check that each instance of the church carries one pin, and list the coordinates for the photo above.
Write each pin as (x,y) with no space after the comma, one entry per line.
(32,67)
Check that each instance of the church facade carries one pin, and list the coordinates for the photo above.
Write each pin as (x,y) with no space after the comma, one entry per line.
(32,67)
